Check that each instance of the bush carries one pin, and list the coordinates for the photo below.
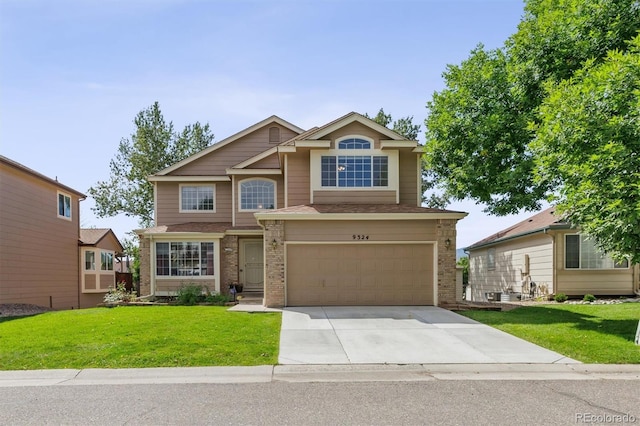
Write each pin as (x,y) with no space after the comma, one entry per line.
(190,295)
(119,294)
(217,299)
(560,297)
(589,298)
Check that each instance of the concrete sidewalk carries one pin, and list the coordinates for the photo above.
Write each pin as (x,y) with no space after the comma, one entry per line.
(319,373)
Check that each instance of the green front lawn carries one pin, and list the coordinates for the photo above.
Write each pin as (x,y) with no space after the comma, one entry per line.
(602,334)
(133,337)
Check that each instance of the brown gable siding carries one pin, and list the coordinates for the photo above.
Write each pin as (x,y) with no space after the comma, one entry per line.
(298,164)
(38,251)
(271,162)
(408,176)
(234,153)
(168,204)
(356,128)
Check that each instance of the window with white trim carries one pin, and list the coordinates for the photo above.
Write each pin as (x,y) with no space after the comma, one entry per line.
(89,260)
(257,194)
(106,261)
(184,258)
(354,171)
(491,259)
(197,198)
(581,253)
(64,206)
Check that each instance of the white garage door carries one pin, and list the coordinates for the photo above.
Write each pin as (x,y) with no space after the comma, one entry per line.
(359,274)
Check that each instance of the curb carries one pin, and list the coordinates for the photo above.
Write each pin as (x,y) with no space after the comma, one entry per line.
(320,373)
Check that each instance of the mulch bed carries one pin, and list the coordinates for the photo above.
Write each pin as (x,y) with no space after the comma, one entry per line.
(21,309)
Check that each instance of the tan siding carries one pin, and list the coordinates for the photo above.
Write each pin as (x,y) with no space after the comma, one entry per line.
(107,281)
(355,197)
(234,153)
(39,256)
(173,285)
(298,183)
(247,218)
(356,128)
(90,282)
(576,282)
(509,265)
(168,204)
(408,170)
(271,162)
(409,230)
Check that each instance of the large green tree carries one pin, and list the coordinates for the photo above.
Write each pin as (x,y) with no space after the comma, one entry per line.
(405,126)
(154,146)
(587,146)
(490,131)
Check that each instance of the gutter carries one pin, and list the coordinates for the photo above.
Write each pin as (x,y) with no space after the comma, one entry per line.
(544,230)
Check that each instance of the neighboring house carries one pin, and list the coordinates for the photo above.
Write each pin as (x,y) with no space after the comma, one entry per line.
(40,249)
(548,252)
(328,216)
(100,250)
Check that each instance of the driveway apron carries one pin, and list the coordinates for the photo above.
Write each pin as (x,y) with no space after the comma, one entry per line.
(399,335)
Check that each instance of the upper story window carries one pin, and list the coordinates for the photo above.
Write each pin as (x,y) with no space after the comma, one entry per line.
(354,171)
(354,143)
(64,206)
(491,259)
(197,198)
(581,253)
(257,194)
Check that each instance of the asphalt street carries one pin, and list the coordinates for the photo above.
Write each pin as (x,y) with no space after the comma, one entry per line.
(446,402)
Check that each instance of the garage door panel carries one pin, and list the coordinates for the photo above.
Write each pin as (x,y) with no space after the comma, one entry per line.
(359,274)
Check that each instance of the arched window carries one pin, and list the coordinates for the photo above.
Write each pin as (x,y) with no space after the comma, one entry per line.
(354,143)
(257,194)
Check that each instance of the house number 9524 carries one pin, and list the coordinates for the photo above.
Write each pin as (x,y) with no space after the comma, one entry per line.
(360,237)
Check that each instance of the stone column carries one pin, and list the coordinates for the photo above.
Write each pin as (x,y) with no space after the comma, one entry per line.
(446,230)
(274,293)
(144,287)
(229,256)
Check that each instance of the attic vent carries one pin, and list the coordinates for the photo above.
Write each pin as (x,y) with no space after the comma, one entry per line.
(274,135)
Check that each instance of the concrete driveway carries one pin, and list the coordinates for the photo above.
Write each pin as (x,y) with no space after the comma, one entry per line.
(399,335)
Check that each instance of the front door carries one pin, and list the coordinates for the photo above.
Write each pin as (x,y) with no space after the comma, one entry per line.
(252,264)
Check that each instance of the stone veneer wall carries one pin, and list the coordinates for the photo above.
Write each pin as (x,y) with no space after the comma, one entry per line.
(145,267)
(446,229)
(274,293)
(229,255)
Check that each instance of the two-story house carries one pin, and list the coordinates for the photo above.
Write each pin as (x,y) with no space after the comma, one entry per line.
(327,216)
(45,258)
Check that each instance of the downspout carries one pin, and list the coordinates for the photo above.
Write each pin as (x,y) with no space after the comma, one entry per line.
(554,253)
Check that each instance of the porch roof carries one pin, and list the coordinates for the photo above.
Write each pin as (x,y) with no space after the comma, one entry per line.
(358,212)
(197,227)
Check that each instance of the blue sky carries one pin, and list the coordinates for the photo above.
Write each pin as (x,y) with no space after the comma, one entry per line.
(73,74)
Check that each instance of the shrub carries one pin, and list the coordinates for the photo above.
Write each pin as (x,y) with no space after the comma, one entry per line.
(190,295)
(119,294)
(589,298)
(560,297)
(217,299)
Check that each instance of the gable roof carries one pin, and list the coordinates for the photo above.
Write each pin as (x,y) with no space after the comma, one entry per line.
(539,222)
(14,164)
(93,236)
(347,119)
(230,139)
